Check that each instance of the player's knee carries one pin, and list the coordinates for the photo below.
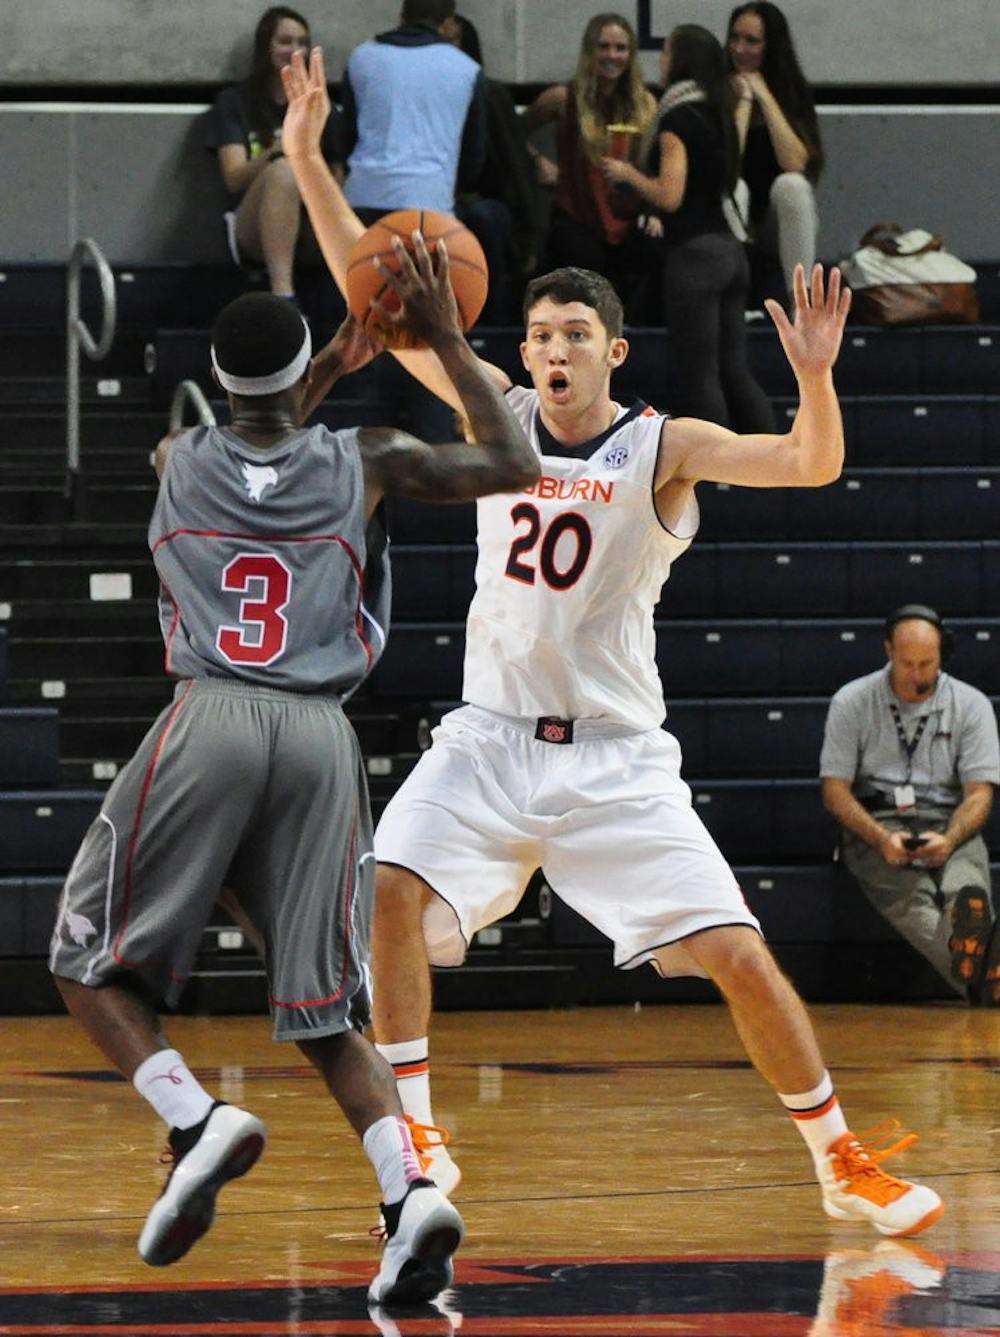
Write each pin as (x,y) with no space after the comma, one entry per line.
(739,962)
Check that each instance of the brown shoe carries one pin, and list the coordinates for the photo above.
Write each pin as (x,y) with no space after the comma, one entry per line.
(971,923)
(988,994)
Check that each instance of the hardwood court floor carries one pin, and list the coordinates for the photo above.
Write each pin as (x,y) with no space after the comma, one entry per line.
(625,1172)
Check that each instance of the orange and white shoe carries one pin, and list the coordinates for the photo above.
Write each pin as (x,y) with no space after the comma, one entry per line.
(430,1142)
(856,1188)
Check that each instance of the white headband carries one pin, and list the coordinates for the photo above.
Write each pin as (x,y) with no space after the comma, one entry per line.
(268,385)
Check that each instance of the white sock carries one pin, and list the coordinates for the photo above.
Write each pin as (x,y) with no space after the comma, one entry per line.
(389,1147)
(166,1081)
(818,1117)
(411,1067)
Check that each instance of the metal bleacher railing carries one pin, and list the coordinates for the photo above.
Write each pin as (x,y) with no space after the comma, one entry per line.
(77,336)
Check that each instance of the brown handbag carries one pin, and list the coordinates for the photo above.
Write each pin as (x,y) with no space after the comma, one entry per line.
(908,278)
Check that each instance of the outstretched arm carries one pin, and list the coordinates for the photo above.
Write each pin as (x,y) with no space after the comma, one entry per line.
(335,224)
(502,460)
(811,453)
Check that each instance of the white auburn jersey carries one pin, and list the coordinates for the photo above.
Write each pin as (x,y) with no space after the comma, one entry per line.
(567,577)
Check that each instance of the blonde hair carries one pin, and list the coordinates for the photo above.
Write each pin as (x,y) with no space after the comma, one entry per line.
(631,103)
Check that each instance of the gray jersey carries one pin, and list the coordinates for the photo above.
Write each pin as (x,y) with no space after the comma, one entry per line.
(261,557)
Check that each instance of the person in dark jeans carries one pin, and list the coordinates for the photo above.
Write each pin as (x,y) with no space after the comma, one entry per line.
(693,167)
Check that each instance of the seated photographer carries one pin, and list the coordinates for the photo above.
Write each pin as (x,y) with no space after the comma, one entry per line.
(910,759)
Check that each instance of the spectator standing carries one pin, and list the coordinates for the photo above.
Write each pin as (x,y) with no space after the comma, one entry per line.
(780,148)
(595,224)
(909,764)
(503,208)
(266,223)
(414,116)
(706,275)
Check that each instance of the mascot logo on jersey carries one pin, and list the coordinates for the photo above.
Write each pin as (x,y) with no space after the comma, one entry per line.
(257,477)
(615,457)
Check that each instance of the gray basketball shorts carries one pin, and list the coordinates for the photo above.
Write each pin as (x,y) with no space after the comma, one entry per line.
(252,788)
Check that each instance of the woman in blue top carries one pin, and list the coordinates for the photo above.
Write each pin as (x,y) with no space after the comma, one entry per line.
(693,166)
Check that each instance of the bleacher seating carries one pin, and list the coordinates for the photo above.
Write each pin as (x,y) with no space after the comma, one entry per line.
(778,602)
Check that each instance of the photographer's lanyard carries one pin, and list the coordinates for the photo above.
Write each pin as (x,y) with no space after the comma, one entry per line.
(909,746)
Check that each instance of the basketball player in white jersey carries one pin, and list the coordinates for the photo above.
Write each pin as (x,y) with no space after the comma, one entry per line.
(558,760)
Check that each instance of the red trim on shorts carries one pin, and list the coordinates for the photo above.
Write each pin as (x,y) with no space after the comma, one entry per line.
(816,1112)
(147,784)
(348,914)
(359,624)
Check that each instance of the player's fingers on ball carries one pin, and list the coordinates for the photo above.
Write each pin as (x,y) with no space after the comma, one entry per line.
(397,282)
(407,269)
(443,263)
(421,259)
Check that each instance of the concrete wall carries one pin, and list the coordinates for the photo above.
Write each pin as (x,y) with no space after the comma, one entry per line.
(138,180)
(203,41)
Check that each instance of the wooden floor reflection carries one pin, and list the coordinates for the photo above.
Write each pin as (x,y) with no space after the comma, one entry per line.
(616,1161)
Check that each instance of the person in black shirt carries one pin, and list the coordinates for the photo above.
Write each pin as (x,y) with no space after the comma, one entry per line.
(692,167)
(780,149)
(266,222)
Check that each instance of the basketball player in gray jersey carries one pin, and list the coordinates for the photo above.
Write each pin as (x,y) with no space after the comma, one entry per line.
(253,775)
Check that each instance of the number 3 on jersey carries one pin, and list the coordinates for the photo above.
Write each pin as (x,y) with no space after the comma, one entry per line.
(520,558)
(262,633)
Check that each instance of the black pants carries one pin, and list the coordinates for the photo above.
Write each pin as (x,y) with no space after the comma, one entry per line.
(629,266)
(705,284)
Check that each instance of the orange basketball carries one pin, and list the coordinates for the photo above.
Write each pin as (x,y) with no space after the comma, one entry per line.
(466,266)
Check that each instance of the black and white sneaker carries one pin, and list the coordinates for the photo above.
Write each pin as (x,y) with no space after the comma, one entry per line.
(223,1146)
(423,1230)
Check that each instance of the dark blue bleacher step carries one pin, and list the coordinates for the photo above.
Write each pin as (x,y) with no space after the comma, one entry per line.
(110,432)
(34,352)
(41,830)
(28,907)
(62,658)
(75,578)
(37,391)
(95,541)
(124,502)
(82,617)
(728,657)
(29,745)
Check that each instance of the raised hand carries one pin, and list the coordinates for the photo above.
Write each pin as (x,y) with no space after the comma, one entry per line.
(308,104)
(812,340)
(428,310)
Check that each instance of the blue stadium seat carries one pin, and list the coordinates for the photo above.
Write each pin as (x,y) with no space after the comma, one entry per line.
(861,504)
(977,655)
(819,657)
(803,829)
(427,522)
(991,443)
(42,829)
(421,661)
(907,431)
(724,658)
(783,580)
(751,513)
(874,362)
(688,722)
(959,503)
(768,362)
(795,904)
(691,590)
(432,584)
(29,746)
(944,575)
(739,815)
(960,360)
(778,737)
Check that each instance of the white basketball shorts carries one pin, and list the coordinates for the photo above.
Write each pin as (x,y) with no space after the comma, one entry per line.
(607,817)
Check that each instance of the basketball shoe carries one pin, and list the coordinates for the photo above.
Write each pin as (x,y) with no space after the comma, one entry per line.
(855,1188)
(423,1230)
(862,1289)
(430,1143)
(223,1146)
